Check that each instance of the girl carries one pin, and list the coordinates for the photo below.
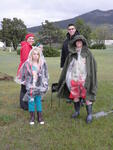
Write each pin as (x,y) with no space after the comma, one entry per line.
(34,76)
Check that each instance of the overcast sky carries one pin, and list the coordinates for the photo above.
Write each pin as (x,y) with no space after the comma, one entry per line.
(34,12)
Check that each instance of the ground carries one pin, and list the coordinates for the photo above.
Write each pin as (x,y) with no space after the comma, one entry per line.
(60,132)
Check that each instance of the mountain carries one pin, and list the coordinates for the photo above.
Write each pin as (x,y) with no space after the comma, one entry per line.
(93,18)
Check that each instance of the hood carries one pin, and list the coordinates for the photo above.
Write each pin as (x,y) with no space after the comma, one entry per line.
(79,37)
(73,41)
(23,43)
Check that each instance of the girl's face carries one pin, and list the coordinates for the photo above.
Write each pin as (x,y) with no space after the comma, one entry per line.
(35,56)
(30,40)
(79,44)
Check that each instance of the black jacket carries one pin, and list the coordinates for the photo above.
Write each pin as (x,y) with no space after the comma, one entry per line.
(65,51)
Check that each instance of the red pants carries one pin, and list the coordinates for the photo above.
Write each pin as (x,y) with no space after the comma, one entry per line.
(77,90)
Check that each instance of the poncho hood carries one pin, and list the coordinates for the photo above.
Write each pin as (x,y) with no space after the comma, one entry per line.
(23,43)
(72,46)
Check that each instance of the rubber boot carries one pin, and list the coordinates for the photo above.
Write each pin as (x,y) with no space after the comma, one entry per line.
(32,118)
(39,118)
(77,109)
(89,113)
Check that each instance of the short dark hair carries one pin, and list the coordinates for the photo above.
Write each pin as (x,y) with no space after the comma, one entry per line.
(71,24)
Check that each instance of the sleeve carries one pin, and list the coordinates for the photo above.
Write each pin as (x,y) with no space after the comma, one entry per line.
(91,79)
(43,79)
(23,71)
(24,53)
(63,73)
(45,75)
(26,76)
(62,56)
(20,78)
(94,76)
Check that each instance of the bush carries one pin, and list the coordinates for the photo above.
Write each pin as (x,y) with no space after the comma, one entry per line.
(50,52)
(98,46)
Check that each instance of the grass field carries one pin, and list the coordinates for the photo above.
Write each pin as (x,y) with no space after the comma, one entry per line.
(60,132)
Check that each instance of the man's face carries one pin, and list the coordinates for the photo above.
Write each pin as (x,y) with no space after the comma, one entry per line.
(71,30)
(30,40)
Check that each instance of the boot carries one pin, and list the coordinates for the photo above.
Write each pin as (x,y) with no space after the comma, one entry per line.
(89,113)
(39,118)
(77,109)
(32,118)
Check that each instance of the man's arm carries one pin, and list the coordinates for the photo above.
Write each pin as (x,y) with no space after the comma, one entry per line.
(62,56)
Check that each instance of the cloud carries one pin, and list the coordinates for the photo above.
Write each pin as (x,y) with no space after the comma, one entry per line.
(34,12)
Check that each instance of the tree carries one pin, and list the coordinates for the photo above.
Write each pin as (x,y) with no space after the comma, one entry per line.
(0,34)
(50,34)
(100,34)
(13,31)
(6,31)
(83,29)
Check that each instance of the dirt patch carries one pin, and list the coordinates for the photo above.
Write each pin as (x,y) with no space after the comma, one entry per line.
(6,77)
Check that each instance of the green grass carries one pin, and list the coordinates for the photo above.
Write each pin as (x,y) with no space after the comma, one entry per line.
(60,132)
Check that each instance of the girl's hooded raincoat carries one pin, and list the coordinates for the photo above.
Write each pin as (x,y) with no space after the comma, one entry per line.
(25,76)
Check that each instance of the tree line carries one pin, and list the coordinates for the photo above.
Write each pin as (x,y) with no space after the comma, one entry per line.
(14,31)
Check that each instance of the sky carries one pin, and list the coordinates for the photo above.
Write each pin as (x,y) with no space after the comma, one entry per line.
(34,12)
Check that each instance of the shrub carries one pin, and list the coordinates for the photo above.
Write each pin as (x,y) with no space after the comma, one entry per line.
(48,52)
(51,52)
(98,46)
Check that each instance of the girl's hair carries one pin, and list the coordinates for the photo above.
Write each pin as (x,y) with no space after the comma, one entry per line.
(31,54)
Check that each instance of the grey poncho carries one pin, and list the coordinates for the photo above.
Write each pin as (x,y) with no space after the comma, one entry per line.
(25,77)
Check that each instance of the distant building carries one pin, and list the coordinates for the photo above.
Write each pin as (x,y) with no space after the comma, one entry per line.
(2,44)
(108,42)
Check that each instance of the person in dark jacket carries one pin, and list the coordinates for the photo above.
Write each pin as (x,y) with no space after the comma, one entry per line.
(79,76)
(26,47)
(72,32)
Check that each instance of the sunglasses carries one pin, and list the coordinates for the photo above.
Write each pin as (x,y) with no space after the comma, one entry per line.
(71,29)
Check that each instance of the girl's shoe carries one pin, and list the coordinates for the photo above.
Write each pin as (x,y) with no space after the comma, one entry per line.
(32,118)
(41,122)
(39,118)
(31,122)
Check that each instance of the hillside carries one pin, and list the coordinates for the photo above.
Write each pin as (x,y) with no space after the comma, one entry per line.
(93,18)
